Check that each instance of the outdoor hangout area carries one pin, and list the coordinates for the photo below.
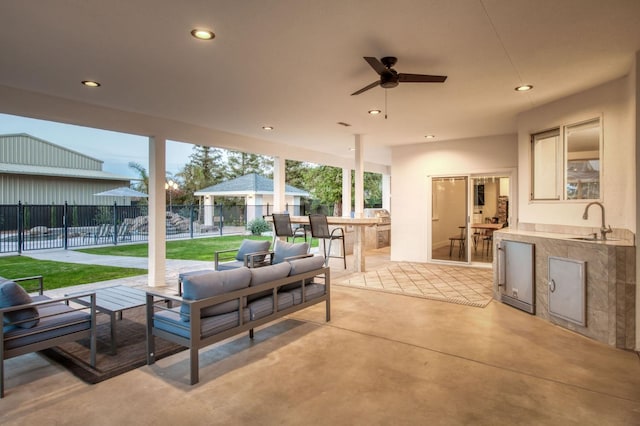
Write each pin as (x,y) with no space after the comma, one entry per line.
(312,363)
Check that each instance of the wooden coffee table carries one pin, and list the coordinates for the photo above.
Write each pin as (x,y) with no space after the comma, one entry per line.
(113,301)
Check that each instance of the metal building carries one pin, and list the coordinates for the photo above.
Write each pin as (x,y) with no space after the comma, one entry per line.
(35,171)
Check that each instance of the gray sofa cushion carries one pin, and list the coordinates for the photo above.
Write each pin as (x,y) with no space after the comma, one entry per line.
(300,266)
(56,319)
(283,249)
(214,283)
(263,307)
(311,291)
(252,246)
(12,294)
(171,321)
(267,274)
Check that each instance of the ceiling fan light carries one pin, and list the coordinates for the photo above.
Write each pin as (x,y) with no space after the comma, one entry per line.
(524,88)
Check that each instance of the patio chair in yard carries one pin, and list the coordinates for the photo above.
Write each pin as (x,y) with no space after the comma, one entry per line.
(320,230)
(124,232)
(104,230)
(31,324)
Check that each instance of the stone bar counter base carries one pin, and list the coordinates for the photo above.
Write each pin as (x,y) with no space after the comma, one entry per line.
(610,275)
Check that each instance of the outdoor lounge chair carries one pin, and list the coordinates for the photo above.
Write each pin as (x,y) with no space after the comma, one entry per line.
(104,230)
(31,324)
(124,232)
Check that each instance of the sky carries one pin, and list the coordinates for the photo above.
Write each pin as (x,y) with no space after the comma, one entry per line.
(115,149)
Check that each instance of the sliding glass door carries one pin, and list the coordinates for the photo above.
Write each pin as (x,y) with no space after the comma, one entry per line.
(449,225)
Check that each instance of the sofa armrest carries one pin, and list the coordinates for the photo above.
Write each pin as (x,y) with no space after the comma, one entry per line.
(39,289)
(251,259)
(216,255)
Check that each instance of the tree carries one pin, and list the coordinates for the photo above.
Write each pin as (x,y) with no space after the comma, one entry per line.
(206,167)
(296,172)
(142,184)
(325,185)
(242,163)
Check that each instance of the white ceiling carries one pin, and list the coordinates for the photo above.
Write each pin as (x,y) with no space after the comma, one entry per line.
(293,64)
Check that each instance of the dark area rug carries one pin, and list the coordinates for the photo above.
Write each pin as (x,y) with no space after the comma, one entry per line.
(131,346)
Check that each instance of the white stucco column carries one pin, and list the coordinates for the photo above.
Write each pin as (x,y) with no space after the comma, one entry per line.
(346,192)
(209,212)
(358,246)
(279,202)
(386,192)
(359,176)
(635,73)
(157,211)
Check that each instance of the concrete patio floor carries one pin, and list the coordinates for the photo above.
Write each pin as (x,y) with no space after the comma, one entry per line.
(383,359)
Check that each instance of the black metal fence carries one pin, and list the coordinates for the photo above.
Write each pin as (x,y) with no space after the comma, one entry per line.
(34,227)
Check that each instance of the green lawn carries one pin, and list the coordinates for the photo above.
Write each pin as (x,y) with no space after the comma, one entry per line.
(195,249)
(61,274)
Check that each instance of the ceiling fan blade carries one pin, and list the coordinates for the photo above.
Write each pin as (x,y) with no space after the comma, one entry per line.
(421,78)
(364,89)
(375,64)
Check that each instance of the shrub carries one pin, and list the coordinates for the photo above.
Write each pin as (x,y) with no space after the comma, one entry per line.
(258,226)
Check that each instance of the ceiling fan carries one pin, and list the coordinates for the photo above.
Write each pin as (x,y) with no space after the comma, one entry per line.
(390,78)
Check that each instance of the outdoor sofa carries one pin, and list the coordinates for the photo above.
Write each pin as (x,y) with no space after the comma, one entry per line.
(31,324)
(216,305)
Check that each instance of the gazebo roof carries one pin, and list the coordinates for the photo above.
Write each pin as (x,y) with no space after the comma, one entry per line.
(248,184)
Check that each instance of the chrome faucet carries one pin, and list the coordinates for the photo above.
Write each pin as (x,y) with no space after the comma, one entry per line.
(603,229)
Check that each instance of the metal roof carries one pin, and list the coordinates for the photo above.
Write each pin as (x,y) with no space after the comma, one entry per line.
(21,169)
(248,184)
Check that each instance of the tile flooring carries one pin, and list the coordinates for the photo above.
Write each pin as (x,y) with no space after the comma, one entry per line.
(454,284)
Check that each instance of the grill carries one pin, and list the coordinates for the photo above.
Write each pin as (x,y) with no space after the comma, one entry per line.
(383,228)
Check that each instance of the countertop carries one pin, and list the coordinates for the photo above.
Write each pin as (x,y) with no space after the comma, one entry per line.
(505,232)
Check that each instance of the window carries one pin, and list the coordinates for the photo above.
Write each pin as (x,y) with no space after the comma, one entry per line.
(569,168)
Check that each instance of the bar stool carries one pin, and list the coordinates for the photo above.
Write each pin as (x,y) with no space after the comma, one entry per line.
(282,228)
(320,230)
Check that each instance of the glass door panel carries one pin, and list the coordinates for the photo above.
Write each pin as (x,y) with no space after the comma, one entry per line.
(449,231)
(490,211)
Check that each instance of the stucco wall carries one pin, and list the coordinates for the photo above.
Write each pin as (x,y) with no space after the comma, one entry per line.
(412,164)
(614,101)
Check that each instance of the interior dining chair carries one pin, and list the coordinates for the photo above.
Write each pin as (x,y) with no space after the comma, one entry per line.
(460,239)
(282,228)
(320,230)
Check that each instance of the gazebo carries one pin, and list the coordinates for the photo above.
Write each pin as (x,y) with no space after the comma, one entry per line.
(257,192)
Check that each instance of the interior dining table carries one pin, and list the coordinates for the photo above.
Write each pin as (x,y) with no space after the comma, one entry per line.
(358,224)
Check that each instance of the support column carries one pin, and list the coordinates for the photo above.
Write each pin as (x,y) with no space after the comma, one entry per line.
(157,211)
(358,244)
(279,201)
(346,192)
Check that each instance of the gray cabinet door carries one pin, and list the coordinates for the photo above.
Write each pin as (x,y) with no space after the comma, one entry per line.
(567,289)
(516,263)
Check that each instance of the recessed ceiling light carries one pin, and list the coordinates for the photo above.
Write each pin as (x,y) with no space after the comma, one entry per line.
(91,83)
(267,128)
(524,88)
(374,111)
(430,136)
(202,34)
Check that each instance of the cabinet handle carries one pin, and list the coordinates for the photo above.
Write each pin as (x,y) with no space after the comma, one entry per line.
(552,286)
